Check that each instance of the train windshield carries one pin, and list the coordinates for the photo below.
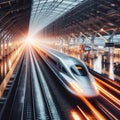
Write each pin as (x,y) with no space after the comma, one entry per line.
(79,70)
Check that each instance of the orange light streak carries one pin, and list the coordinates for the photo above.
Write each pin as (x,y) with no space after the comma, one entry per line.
(115,83)
(110,102)
(106,111)
(86,116)
(75,115)
(98,115)
(109,86)
(110,96)
(110,81)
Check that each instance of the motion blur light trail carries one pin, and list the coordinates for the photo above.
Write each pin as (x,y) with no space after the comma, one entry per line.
(106,111)
(86,116)
(109,86)
(29,40)
(93,109)
(117,107)
(99,110)
(98,115)
(109,95)
(75,115)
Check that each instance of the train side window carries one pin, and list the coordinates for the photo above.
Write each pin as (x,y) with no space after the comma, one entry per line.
(79,70)
(61,68)
(64,70)
(74,70)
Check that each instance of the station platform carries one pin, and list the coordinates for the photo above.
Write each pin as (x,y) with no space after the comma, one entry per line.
(6,64)
(100,67)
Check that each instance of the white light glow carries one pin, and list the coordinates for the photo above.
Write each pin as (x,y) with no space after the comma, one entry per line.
(45,12)
(29,40)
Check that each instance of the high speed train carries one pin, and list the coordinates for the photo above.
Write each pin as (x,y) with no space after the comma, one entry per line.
(73,73)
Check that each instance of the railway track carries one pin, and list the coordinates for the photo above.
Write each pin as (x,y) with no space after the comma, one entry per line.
(10,92)
(38,94)
(102,106)
(45,107)
(30,99)
(62,100)
(69,102)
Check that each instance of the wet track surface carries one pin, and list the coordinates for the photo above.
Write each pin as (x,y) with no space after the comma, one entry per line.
(40,95)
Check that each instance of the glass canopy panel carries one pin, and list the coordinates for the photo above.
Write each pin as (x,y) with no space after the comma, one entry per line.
(45,12)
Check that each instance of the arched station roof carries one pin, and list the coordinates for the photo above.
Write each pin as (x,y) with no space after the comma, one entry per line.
(44,12)
(14,17)
(90,16)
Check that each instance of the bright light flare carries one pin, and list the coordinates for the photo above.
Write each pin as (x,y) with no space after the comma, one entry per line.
(29,40)
(75,115)
(9,44)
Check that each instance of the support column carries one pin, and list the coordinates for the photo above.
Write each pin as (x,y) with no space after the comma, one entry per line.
(110,39)
(60,45)
(0,49)
(93,45)
(63,45)
(3,47)
(82,38)
(7,45)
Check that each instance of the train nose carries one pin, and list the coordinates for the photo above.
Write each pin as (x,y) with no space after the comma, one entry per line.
(85,90)
(84,82)
(88,92)
(89,88)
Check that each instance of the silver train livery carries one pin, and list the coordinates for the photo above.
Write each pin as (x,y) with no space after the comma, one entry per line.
(73,73)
